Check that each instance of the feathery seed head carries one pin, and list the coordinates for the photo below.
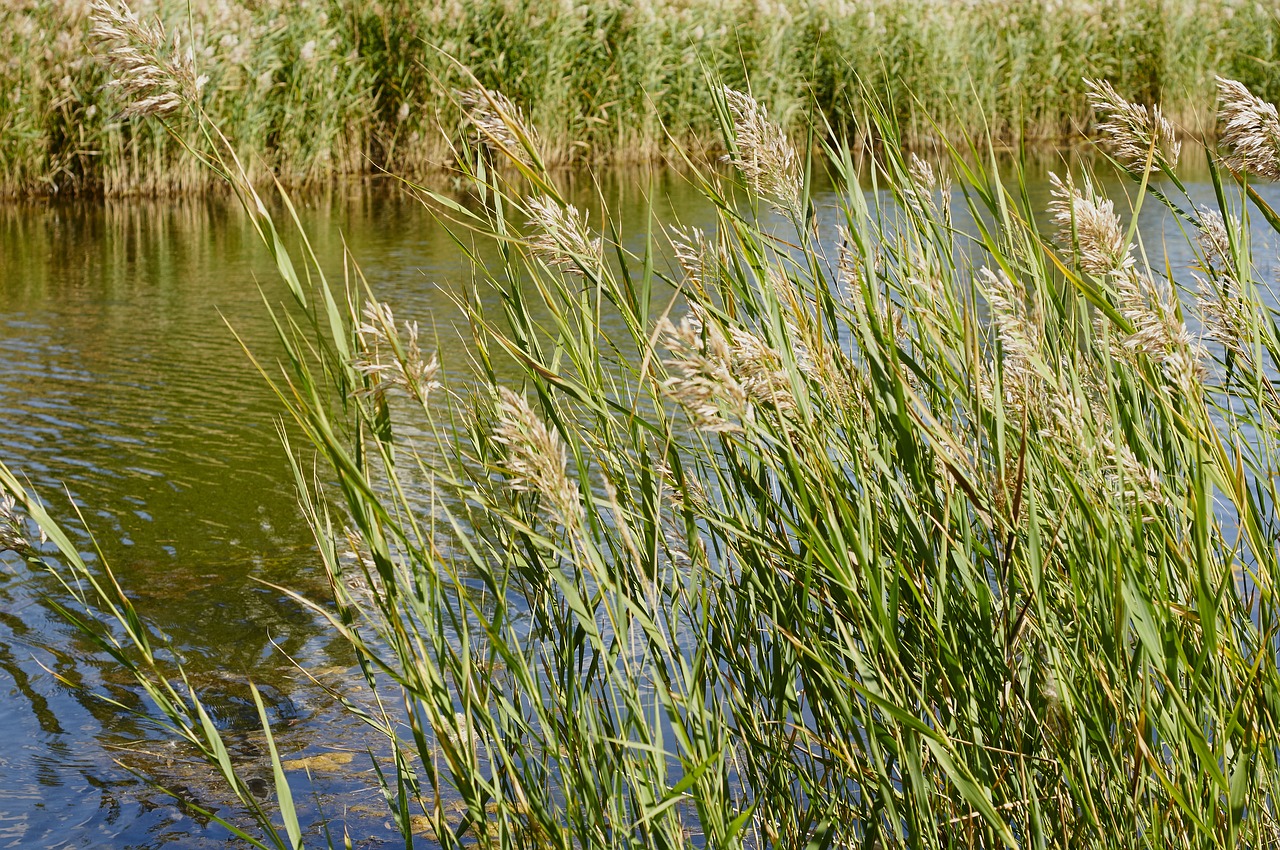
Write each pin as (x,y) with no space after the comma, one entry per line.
(851,270)
(1251,129)
(1093,223)
(536,460)
(768,162)
(1215,243)
(1134,132)
(11,539)
(1131,478)
(562,240)
(499,124)
(718,379)
(1151,307)
(695,255)
(1225,315)
(921,173)
(390,361)
(1019,335)
(155,73)
(923,182)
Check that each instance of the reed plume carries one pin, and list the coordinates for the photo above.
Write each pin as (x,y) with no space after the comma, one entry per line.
(12,537)
(535,459)
(720,379)
(561,238)
(500,125)
(1091,223)
(767,160)
(695,255)
(1152,308)
(1134,132)
(1225,314)
(1019,333)
(155,73)
(1250,130)
(391,361)
(1215,241)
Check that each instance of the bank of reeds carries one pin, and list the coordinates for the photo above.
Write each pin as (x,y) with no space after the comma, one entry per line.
(314,89)
(907,538)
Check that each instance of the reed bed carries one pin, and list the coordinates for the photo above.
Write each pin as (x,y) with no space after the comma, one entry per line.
(314,89)
(912,538)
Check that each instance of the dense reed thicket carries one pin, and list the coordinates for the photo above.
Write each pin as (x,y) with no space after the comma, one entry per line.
(911,537)
(316,88)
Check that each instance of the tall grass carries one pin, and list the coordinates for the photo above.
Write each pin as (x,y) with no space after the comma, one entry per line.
(907,538)
(316,88)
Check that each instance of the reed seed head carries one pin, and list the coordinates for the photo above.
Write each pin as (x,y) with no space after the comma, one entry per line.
(719,379)
(11,539)
(923,183)
(500,125)
(1225,314)
(1019,335)
(1130,478)
(1152,307)
(768,162)
(154,72)
(695,255)
(392,361)
(1251,130)
(1134,132)
(1092,223)
(562,239)
(536,460)
(1215,243)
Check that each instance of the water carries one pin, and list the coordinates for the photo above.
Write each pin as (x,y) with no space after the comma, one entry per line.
(123,388)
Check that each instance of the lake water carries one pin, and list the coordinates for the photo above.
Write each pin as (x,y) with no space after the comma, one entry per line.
(122,387)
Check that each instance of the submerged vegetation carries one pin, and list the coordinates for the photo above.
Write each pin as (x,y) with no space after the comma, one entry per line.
(315,88)
(898,537)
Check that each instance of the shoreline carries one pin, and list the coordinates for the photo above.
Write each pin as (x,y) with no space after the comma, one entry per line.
(319,90)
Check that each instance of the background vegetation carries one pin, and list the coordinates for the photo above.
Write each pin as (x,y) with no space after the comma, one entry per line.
(318,88)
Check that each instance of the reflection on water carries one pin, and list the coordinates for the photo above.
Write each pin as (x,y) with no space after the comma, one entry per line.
(121,382)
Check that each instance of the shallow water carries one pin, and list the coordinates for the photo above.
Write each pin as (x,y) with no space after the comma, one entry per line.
(123,387)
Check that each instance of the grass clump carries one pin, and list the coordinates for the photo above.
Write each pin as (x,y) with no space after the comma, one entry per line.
(324,87)
(887,537)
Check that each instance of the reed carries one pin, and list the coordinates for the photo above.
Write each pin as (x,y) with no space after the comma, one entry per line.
(316,89)
(911,538)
